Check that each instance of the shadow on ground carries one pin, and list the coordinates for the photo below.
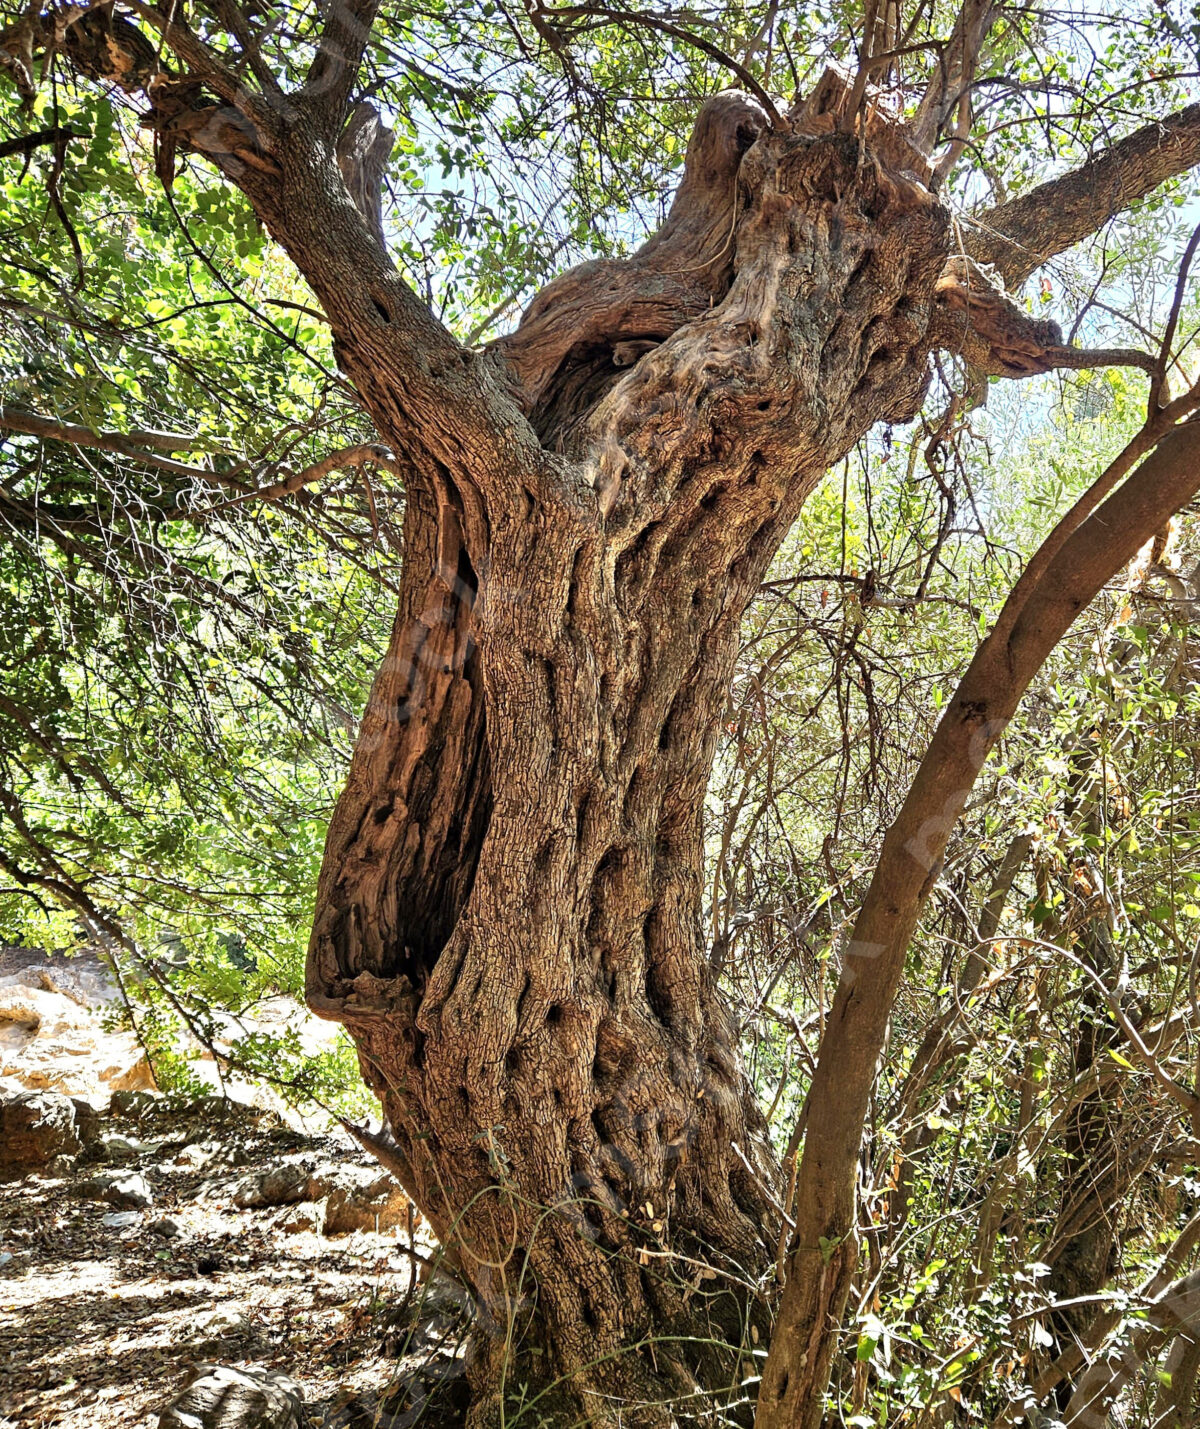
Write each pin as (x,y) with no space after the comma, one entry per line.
(105,1312)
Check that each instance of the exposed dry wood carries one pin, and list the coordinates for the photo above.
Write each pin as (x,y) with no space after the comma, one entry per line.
(831,106)
(508,912)
(978,320)
(587,324)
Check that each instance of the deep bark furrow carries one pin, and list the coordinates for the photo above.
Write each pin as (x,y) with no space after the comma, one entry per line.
(508,916)
(574,1078)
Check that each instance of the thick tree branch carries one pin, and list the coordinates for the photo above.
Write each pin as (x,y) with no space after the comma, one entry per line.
(1021,235)
(444,407)
(589,323)
(26,143)
(363,149)
(202,64)
(823,1261)
(979,321)
(951,82)
(334,69)
(239,26)
(439,407)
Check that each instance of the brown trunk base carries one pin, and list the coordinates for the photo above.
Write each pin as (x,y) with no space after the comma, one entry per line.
(693,1365)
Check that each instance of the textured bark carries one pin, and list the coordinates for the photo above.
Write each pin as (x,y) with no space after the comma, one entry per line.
(588,324)
(998,338)
(508,917)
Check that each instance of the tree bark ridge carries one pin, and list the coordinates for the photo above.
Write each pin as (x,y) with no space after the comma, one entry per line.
(508,916)
(1019,236)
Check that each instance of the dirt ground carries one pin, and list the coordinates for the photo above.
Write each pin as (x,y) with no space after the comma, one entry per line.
(105,1312)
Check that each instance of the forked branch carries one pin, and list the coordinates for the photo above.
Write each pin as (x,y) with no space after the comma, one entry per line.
(333,72)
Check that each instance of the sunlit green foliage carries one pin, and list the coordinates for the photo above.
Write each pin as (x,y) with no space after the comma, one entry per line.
(182,665)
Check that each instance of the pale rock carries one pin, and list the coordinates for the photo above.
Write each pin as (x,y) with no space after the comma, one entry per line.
(306,1217)
(358,1198)
(280,1185)
(195,1157)
(219,1323)
(89,1114)
(121,1148)
(222,1397)
(52,1035)
(133,1102)
(127,1190)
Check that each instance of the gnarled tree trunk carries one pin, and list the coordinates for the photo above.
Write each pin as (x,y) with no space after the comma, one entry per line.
(509,911)
(508,918)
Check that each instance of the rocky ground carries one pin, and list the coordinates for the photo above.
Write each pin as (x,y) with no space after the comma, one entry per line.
(142,1237)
